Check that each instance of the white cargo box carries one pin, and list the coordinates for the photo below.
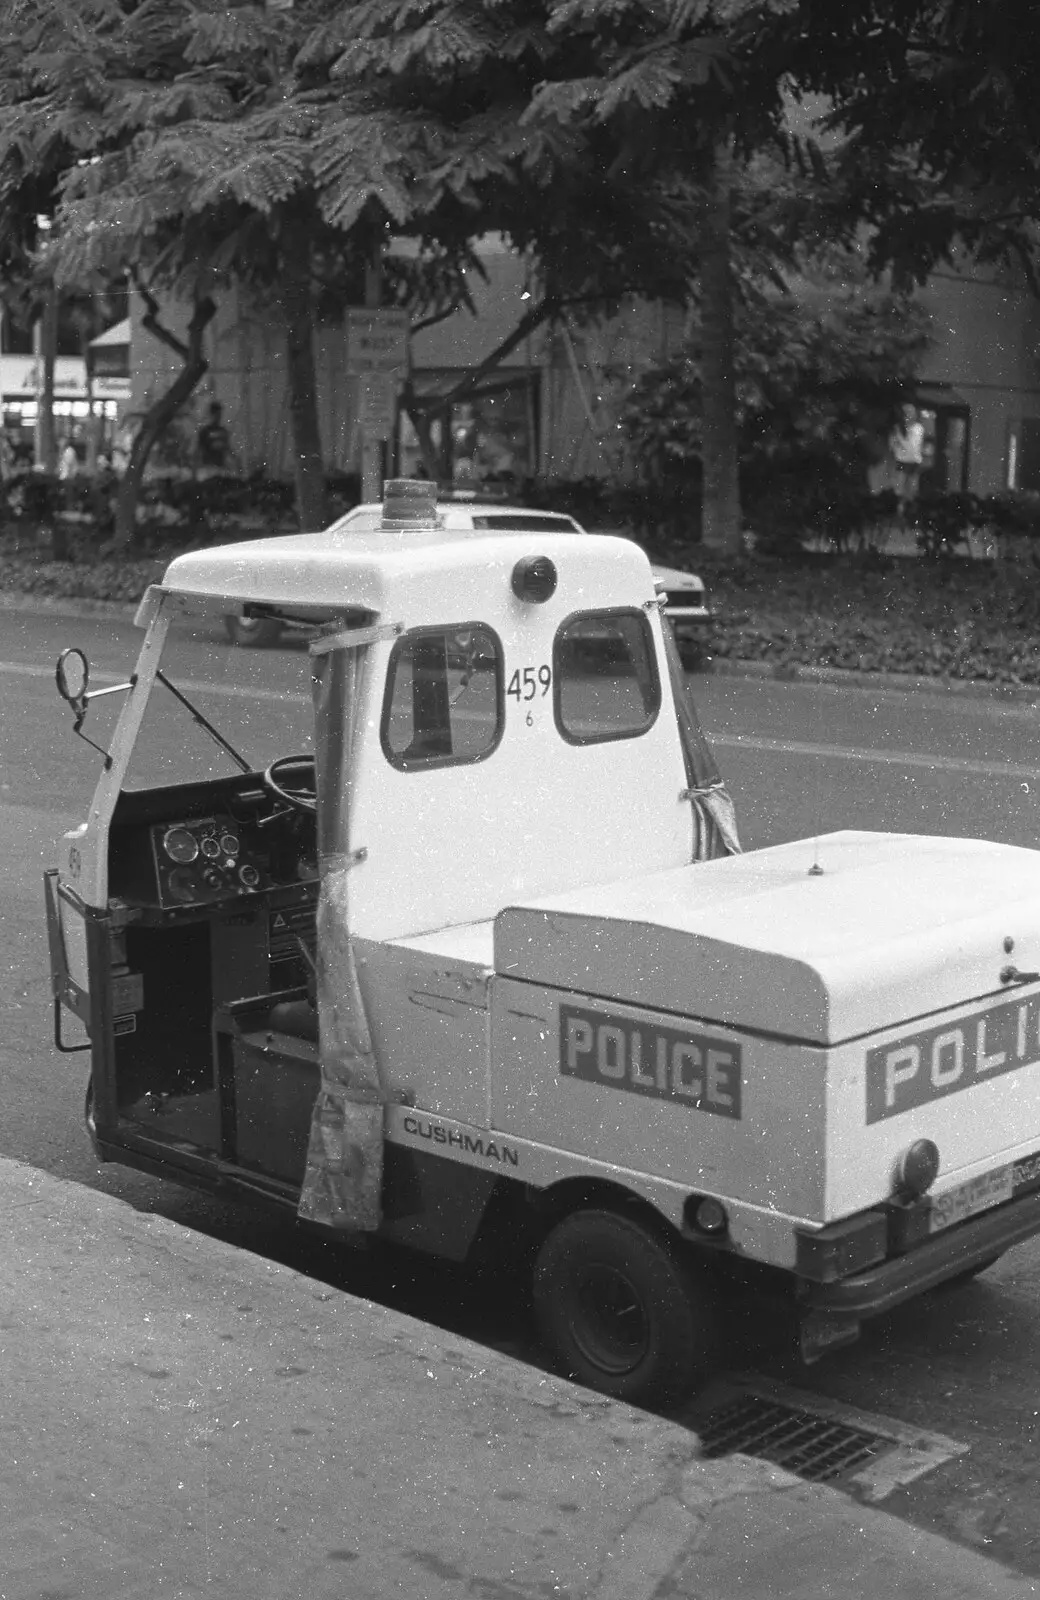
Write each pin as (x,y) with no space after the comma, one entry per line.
(892,927)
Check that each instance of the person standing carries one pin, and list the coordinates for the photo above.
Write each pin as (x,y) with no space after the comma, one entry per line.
(906,443)
(213,442)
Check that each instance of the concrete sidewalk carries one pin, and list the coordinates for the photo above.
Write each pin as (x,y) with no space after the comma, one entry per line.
(182,1419)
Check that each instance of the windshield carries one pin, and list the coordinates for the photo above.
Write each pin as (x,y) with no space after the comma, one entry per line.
(259,701)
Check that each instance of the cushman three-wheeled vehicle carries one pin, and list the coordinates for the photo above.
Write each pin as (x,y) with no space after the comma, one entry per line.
(472,958)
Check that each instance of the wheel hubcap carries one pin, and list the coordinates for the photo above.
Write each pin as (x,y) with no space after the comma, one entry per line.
(611,1327)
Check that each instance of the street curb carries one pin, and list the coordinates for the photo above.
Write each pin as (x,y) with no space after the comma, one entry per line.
(785,672)
(711,666)
(68,606)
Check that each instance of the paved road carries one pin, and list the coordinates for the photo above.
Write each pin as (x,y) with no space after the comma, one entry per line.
(800,759)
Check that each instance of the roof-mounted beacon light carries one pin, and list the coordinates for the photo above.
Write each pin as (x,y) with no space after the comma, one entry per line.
(409,503)
(534,579)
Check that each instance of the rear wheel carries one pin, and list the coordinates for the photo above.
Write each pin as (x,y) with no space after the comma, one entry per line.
(621,1310)
(259,632)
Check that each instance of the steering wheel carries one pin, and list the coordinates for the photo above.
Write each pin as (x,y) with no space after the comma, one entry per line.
(292,780)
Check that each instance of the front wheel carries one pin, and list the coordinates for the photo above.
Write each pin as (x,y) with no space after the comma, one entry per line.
(90,1117)
(622,1311)
(257,632)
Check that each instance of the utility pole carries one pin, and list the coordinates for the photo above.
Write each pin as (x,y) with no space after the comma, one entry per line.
(377,357)
(372,446)
(46,342)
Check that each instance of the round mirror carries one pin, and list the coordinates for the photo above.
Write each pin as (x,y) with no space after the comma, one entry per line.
(72,675)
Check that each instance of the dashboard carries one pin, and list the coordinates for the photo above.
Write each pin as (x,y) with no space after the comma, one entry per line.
(202,845)
(200,859)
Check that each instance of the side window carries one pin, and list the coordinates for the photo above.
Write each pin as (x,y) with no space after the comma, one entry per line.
(444,701)
(605,676)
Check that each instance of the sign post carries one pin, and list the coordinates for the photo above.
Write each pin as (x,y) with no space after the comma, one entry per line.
(377,356)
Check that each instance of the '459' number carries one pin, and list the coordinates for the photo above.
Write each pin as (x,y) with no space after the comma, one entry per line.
(526,682)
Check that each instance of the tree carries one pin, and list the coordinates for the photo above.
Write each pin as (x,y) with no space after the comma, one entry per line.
(820,368)
(263,145)
(934,115)
(278,146)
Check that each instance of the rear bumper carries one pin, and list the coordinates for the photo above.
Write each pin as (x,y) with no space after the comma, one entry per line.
(866,1294)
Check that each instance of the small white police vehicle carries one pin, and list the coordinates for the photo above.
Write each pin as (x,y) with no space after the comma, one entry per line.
(487,971)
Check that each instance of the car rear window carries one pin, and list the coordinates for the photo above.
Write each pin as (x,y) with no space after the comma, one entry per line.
(520,522)
(606,684)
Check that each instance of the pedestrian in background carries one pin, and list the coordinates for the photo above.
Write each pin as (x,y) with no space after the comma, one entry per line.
(213,443)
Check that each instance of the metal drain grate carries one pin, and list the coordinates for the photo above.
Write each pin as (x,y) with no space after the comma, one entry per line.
(816,1448)
(816,1438)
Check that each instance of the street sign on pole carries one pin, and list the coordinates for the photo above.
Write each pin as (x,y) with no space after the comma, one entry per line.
(377,340)
(378,408)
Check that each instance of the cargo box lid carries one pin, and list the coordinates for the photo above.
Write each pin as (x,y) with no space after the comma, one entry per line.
(892,926)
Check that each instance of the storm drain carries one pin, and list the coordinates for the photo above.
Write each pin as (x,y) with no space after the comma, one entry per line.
(814,1448)
(820,1440)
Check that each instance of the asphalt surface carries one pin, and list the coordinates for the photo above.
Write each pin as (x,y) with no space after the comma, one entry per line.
(801,756)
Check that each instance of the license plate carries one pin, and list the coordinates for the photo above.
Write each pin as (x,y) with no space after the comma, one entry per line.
(978,1194)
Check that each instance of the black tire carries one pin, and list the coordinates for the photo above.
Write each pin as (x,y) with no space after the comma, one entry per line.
(255,632)
(621,1310)
(90,1116)
(691,652)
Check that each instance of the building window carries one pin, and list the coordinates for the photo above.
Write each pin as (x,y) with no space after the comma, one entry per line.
(944,468)
(1023,455)
(444,701)
(605,676)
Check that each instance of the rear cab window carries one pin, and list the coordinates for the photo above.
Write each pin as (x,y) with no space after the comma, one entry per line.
(605,677)
(444,703)
(522,522)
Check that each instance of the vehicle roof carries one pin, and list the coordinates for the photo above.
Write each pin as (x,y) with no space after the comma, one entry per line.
(458,512)
(408,575)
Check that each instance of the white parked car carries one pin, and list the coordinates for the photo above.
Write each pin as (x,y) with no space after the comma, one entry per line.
(684,593)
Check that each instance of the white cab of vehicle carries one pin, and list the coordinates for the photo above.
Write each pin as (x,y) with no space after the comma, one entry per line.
(684,594)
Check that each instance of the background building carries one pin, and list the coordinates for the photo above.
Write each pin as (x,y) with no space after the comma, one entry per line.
(550,408)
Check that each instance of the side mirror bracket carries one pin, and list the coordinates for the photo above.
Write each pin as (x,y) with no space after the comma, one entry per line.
(72,677)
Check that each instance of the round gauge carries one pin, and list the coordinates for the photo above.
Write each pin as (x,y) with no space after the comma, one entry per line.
(182,885)
(229,843)
(180,845)
(210,847)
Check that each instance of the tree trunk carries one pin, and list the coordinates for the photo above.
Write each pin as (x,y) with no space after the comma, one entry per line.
(721,522)
(47,439)
(309,465)
(157,420)
(422,422)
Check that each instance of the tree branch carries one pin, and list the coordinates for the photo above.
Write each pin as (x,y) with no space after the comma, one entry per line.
(437,316)
(150,320)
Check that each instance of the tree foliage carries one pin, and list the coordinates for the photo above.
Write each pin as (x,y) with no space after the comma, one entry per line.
(276,146)
(935,109)
(279,145)
(821,371)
